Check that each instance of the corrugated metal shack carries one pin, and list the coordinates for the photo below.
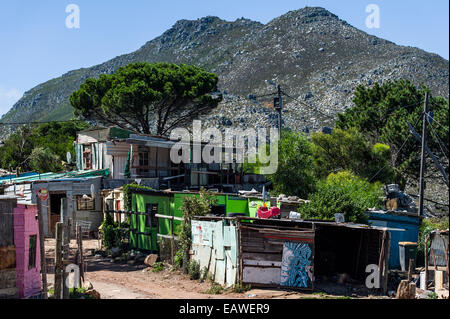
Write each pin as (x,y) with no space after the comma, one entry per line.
(285,253)
(20,265)
(75,186)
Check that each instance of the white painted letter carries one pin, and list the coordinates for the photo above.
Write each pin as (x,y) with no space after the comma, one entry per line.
(73,19)
(373,280)
(373,20)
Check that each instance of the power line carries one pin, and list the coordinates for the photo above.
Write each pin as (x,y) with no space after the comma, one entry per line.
(309,106)
(398,152)
(442,147)
(36,122)
(434,120)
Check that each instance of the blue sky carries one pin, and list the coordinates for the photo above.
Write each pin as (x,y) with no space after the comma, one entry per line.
(37,46)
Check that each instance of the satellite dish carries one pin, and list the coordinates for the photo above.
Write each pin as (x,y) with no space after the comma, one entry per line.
(339,218)
(92,191)
(69,158)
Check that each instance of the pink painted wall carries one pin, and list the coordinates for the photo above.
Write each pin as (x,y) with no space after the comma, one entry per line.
(25,225)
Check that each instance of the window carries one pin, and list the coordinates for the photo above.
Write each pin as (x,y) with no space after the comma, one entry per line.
(85,203)
(87,158)
(32,252)
(143,159)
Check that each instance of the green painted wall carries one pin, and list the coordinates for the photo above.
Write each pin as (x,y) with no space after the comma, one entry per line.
(237,205)
(139,204)
(171,205)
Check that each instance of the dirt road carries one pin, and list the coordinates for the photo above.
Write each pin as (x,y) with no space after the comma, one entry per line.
(121,280)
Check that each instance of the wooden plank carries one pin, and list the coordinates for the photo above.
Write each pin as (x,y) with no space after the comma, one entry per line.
(8,257)
(261,256)
(167,236)
(42,249)
(58,260)
(262,263)
(257,275)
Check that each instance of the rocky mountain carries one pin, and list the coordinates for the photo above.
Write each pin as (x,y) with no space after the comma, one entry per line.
(317,58)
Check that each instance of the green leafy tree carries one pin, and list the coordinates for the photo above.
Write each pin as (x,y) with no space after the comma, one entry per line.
(342,193)
(139,94)
(295,166)
(47,139)
(16,151)
(348,150)
(382,113)
(44,160)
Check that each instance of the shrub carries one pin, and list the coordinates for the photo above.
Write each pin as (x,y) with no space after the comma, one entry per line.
(157,266)
(215,289)
(193,206)
(194,270)
(342,193)
(240,288)
(112,234)
(428,225)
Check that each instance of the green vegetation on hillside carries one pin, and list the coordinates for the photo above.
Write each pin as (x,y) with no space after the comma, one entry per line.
(382,113)
(40,148)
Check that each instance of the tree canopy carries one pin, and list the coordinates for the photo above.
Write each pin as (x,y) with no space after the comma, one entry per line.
(349,151)
(294,175)
(342,193)
(148,98)
(382,113)
(40,148)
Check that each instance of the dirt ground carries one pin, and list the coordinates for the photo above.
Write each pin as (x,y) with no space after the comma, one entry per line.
(126,281)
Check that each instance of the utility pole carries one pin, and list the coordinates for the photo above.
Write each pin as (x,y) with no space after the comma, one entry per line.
(278,105)
(422,161)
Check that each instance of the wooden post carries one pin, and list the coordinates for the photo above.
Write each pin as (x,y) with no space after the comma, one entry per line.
(381,259)
(172,240)
(80,259)
(42,249)
(422,161)
(58,260)
(411,261)
(66,254)
(386,261)
(426,261)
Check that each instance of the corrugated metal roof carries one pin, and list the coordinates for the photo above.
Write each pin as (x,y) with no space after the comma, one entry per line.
(53,176)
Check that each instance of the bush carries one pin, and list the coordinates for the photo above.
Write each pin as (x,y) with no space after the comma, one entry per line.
(157,266)
(240,288)
(193,206)
(194,270)
(342,193)
(215,289)
(428,225)
(112,234)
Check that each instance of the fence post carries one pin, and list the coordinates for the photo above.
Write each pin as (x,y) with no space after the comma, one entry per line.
(58,260)
(66,254)
(80,259)
(172,241)
(42,249)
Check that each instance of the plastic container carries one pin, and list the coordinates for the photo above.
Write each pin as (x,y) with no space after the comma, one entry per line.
(407,251)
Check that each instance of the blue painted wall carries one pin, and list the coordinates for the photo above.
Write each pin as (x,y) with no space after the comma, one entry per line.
(408,223)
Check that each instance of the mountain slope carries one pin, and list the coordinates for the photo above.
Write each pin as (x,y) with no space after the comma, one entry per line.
(311,53)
